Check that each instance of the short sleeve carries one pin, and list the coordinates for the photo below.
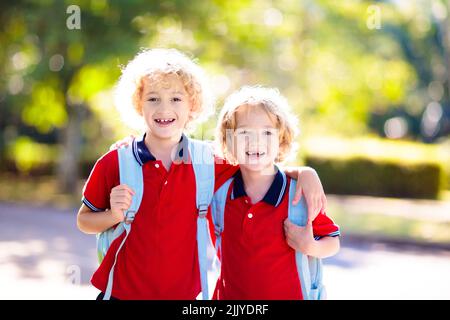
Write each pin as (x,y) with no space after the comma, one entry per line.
(223,171)
(323,226)
(103,177)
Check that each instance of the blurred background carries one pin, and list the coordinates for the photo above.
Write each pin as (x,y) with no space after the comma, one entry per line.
(369,81)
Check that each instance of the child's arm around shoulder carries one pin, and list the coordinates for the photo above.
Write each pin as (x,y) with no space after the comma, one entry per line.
(310,186)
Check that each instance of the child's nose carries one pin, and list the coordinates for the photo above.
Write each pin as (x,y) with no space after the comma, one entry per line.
(255,141)
(166,105)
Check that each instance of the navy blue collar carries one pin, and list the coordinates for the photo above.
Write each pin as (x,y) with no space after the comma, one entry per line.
(143,155)
(274,195)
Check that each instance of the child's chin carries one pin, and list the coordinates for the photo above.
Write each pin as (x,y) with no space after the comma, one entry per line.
(257,167)
(165,133)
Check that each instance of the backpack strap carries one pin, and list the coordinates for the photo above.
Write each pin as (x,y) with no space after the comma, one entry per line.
(130,173)
(218,212)
(202,158)
(298,214)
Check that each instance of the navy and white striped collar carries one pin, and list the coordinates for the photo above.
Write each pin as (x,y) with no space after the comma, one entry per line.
(143,155)
(274,195)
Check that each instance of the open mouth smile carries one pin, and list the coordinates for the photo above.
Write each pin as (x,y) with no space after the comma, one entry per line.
(164,122)
(255,154)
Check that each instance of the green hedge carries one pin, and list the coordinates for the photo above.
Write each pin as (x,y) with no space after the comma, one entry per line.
(378,178)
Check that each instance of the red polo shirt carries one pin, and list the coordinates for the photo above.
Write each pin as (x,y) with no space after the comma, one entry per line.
(159,259)
(257,262)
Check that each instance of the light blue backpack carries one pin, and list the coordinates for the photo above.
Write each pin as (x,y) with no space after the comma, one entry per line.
(202,159)
(309,268)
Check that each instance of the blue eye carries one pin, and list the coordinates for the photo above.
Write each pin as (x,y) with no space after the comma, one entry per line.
(176,99)
(153,99)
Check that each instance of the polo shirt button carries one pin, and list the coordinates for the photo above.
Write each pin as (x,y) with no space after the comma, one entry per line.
(250,215)
(157,165)
(165,182)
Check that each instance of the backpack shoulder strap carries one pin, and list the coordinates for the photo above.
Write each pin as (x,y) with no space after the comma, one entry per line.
(218,211)
(202,158)
(309,268)
(130,173)
(298,215)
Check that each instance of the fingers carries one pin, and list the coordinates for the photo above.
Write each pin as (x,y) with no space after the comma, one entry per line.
(298,194)
(118,198)
(122,189)
(122,206)
(308,226)
(289,227)
(121,197)
(314,204)
(324,203)
(290,243)
(122,143)
(127,141)
(292,230)
(287,223)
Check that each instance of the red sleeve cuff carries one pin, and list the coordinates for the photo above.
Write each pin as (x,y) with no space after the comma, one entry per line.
(91,206)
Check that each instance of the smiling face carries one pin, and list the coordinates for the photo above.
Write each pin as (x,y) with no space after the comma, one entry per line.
(165,105)
(255,138)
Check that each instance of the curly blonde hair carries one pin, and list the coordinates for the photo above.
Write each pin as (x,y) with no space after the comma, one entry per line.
(274,104)
(152,63)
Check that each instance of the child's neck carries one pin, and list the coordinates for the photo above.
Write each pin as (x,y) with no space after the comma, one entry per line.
(162,149)
(257,183)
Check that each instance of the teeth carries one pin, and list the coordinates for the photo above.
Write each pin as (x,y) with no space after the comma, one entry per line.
(255,153)
(164,120)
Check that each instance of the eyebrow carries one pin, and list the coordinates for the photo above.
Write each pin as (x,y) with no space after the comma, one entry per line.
(173,92)
(247,126)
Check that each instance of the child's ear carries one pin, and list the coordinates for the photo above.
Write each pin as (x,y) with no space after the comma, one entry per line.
(138,107)
(137,100)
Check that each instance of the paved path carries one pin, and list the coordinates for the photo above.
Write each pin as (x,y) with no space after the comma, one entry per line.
(44,256)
